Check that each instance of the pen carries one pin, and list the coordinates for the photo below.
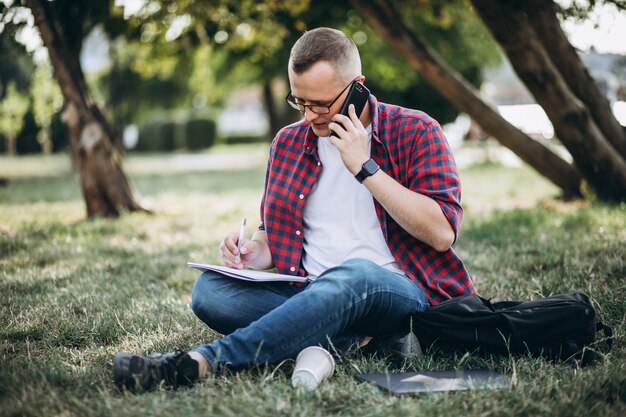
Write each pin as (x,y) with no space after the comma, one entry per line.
(242,231)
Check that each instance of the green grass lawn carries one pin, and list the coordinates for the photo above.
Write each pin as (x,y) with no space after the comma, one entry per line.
(73,292)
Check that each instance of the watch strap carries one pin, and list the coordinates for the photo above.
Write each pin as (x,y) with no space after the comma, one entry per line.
(368,169)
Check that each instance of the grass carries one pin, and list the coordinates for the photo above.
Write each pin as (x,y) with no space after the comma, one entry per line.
(73,292)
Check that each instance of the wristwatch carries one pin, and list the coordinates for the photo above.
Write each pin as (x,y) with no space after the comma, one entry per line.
(369,168)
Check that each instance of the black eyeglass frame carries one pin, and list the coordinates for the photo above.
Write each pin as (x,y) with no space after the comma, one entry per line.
(290,99)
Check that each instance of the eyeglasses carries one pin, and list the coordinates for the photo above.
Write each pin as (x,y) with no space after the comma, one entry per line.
(315,108)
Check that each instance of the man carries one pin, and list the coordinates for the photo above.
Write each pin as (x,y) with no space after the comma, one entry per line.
(369,216)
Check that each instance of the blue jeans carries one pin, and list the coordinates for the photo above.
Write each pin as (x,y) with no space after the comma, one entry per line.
(270,322)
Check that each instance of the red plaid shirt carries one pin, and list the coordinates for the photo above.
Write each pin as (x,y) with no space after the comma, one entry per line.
(410,147)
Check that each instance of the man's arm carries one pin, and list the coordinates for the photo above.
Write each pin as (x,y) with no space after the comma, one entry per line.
(420,215)
(416,213)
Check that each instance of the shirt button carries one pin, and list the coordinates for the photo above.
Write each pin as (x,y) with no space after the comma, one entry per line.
(293,268)
(319,163)
(298,232)
(301,196)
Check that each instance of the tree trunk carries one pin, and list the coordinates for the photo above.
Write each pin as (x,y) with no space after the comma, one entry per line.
(381,16)
(11,142)
(270,108)
(601,165)
(542,16)
(104,184)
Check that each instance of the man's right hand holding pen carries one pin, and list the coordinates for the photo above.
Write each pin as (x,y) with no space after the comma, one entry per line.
(253,253)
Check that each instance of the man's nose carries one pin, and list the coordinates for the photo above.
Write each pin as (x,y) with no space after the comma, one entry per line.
(310,115)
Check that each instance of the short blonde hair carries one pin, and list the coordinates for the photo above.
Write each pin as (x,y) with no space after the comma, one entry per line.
(329,45)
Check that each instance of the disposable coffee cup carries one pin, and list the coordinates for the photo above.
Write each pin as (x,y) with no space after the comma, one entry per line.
(313,365)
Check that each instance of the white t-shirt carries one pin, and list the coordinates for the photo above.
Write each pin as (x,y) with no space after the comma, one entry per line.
(340,221)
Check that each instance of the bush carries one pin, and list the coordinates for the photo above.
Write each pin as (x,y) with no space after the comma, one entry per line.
(159,133)
(238,139)
(168,135)
(199,133)
(164,133)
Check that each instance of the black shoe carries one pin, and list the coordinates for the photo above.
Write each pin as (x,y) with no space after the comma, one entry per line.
(143,373)
(399,347)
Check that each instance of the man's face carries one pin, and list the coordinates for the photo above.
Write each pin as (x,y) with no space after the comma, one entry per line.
(318,86)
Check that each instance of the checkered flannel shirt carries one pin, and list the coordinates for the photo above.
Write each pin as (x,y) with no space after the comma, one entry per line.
(410,147)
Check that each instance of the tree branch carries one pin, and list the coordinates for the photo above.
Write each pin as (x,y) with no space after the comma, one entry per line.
(385,20)
(542,16)
(600,164)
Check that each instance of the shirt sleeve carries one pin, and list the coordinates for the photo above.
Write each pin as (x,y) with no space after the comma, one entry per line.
(267,177)
(433,172)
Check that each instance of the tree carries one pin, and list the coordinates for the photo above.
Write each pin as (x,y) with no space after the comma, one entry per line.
(103,181)
(47,100)
(13,108)
(257,36)
(531,36)
(389,23)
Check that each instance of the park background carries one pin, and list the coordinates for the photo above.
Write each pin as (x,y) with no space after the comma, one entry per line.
(188,96)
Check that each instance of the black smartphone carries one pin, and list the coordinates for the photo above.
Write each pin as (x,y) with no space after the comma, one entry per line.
(358,95)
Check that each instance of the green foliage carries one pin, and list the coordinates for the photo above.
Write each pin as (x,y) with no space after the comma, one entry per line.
(451,28)
(582,9)
(16,65)
(238,43)
(177,54)
(75,292)
(47,100)
(46,96)
(13,108)
(134,89)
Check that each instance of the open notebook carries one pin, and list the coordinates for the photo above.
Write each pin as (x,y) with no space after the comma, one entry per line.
(246,274)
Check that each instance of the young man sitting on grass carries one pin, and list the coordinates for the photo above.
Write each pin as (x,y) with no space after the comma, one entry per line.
(369,216)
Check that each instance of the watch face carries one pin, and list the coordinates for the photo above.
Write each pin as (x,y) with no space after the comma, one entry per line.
(370,166)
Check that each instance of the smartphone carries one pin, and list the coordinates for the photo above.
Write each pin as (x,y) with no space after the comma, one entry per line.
(358,95)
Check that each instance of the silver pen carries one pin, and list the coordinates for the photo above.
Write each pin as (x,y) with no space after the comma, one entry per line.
(242,232)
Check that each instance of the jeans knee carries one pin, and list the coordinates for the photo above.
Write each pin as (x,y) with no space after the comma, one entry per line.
(352,274)
(216,300)
(359,269)
(359,264)
(201,295)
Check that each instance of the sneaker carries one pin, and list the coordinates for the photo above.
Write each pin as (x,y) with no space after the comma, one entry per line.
(143,373)
(400,347)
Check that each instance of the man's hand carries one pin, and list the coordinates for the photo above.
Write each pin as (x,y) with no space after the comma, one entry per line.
(352,143)
(255,252)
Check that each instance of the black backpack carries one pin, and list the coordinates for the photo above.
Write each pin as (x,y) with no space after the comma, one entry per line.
(561,327)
